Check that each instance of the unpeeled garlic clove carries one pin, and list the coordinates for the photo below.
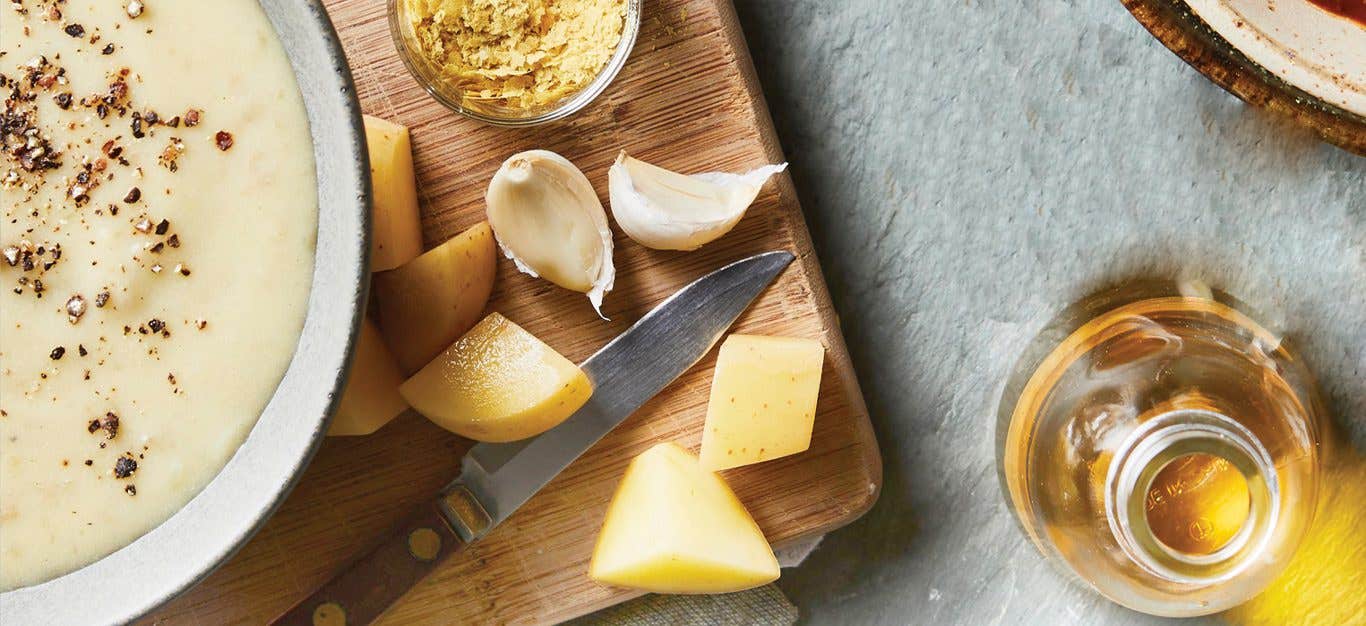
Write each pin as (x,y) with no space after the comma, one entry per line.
(666,210)
(548,220)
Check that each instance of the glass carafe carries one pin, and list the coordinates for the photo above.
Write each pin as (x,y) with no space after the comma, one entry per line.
(1163,446)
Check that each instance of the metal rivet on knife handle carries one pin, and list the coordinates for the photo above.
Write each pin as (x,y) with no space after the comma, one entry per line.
(329,614)
(424,544)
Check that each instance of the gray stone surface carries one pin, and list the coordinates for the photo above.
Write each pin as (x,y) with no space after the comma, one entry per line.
(967,169)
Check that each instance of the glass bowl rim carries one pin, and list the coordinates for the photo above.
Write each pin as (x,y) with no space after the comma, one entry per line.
(565,107)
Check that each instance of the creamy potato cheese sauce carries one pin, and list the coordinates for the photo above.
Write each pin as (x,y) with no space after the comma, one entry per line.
(158,236)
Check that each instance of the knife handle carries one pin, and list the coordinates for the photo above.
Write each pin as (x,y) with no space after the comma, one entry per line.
(360,592)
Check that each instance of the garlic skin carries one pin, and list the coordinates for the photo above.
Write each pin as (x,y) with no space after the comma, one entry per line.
(666,210)
(548,220)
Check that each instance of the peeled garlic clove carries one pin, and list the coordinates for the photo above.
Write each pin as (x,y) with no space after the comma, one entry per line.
(548,220)
(666,210)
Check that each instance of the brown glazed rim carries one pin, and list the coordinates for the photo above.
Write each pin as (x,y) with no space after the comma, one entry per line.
(1189,37)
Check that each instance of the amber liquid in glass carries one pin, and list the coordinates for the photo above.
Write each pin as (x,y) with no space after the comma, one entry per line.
(1163,446)
(1197,504)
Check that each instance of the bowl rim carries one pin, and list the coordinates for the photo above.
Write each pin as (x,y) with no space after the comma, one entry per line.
(432,84)
(183,550)
(1185,34)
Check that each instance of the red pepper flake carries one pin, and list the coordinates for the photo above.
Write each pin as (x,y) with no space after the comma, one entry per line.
(173,241)
(192,117)
(163,226)
(223,139)
(80,349)
(134,195)
(57,353)
(108,49)
(156,325)
(101,299)
(75,30)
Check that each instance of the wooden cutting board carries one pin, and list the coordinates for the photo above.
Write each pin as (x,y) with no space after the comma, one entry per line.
(688,100)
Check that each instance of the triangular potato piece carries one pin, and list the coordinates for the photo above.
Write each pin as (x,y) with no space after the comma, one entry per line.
(498,383)
(675,528)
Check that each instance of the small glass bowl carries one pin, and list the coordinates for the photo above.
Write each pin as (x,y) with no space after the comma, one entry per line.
(455,98)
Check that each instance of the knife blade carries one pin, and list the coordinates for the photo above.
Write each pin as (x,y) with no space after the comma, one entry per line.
(496,479)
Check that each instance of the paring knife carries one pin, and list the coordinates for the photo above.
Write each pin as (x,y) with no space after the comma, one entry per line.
(497,478)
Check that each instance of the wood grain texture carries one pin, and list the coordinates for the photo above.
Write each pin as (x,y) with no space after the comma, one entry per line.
(687,100)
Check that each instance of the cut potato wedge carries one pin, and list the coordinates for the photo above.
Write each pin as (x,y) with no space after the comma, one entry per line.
(426,304)
(396,229)
(763,400)
(498,383)
(371,397)
(673,527)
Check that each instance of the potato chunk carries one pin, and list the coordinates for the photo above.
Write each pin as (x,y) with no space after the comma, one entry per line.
(396,228)
(763,400)
(426,304)
(371,397)
(498,383)
(673,527)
